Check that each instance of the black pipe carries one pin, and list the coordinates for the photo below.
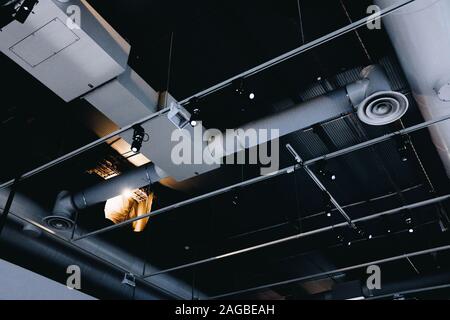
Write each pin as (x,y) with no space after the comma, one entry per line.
(50,257)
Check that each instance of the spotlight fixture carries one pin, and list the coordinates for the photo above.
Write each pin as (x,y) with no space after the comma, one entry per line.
(195,114)
(324,172)
(239,86)
(411,230)
(327,204)
(403,143)
(241,89)
(195,117)
(138,137)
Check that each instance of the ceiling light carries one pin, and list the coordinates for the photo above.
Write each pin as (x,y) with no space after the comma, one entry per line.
(138,138)
(403,143)
(324,172)
(411,230)
(195,117)
(370,236)
(251,96)
(127,193)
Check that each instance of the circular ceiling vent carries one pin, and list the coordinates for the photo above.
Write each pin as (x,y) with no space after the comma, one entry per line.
(58,223)
(383,108)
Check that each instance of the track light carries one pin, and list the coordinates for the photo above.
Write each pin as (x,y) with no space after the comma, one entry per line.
(195,114)
(241,89)
(327,204)
(138,137)
(324,172)
(195,117)
(403,143)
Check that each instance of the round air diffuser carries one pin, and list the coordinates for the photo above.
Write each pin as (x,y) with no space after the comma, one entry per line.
(63,214)
(58,223)
(383,108)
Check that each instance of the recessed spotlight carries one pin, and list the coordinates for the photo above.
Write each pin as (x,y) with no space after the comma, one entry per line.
(251,96)
(370,236)
(411,230)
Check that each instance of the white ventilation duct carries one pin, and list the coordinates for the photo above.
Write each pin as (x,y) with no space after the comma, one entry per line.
(371,96)
(420,33)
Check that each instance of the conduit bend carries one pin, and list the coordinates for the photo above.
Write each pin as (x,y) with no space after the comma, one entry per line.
(67,204)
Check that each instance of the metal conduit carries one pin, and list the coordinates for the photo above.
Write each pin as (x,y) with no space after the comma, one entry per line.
(302,235)
(287,170)
(329,273)
(349,28)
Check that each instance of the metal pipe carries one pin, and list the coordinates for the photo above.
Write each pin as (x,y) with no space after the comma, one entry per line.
(373,83)
(67,204)
(287,170)
(29,213)
(299,50)
(317,181)
(306,47)
(81,150)
(420,34)
(329,273)
(301,235)
(101,278)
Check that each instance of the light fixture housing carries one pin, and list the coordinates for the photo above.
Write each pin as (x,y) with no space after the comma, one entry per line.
(138,138)
(195,117)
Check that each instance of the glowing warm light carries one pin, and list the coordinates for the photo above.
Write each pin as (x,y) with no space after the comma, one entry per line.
(127,193)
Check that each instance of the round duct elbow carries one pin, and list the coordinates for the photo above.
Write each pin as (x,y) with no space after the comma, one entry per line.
(63,216)
(383,107)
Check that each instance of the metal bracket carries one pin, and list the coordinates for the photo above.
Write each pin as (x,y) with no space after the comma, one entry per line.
(129,279)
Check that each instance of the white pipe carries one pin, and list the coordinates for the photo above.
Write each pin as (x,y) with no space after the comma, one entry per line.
(420,33)
(306,114)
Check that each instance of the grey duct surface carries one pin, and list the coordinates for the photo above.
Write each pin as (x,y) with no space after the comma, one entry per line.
(420,34)
(331,105)
(98,276)
(18,283)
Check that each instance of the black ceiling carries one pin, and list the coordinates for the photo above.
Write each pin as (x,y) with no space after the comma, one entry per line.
(212,41)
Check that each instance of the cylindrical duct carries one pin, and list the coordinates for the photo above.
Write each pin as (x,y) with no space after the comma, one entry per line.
(420,33)
(373,84)
(67,204)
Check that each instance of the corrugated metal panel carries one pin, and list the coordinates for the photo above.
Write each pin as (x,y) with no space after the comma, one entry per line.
(349,76)
(313,91)
(310,145)
(394,73)
(340,133)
